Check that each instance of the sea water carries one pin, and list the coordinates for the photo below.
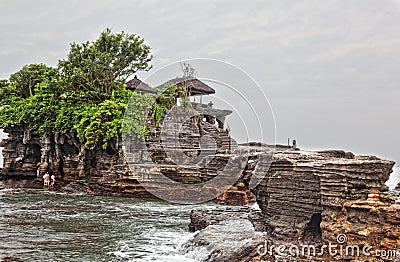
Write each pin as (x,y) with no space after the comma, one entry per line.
(37,225)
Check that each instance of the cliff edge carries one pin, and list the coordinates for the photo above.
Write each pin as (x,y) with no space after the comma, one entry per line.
(312,199)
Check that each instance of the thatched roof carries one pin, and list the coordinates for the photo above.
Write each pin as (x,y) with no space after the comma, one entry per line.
(137,85)
(194,85)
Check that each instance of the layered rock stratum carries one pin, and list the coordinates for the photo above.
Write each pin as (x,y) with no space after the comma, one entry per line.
(314,198)
(118,172)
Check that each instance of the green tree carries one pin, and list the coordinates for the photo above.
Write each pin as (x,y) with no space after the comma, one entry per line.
(26,79)
(29,98)
(97,68)
(85,95)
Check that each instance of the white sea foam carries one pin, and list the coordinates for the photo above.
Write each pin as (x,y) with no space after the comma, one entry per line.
(394,178)
(160,245)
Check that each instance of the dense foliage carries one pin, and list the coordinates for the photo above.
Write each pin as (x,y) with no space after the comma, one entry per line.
(166,99)
(96,69)
(85,94)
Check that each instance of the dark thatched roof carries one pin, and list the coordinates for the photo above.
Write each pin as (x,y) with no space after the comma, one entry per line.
(138,86)
(194,85)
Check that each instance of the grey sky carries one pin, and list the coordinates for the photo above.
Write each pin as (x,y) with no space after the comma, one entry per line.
(329,68)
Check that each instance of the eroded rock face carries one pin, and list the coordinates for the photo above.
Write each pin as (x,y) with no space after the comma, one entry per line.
(302,187)
(21,152)
(63,155)
(317,198)
(106,172)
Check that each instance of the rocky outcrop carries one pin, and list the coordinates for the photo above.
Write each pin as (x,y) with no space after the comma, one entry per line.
(305,197)
(62,154)
(220,240)
(300,185)
(200,219)
(107,172)
(317,198)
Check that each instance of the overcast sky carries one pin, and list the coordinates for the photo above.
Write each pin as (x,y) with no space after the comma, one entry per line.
(330,69)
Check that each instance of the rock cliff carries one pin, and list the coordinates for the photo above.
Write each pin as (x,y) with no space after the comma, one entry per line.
(62,154)
(113,171)
(316,198)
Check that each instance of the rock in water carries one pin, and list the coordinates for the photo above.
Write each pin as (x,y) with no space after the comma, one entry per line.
(225,234)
